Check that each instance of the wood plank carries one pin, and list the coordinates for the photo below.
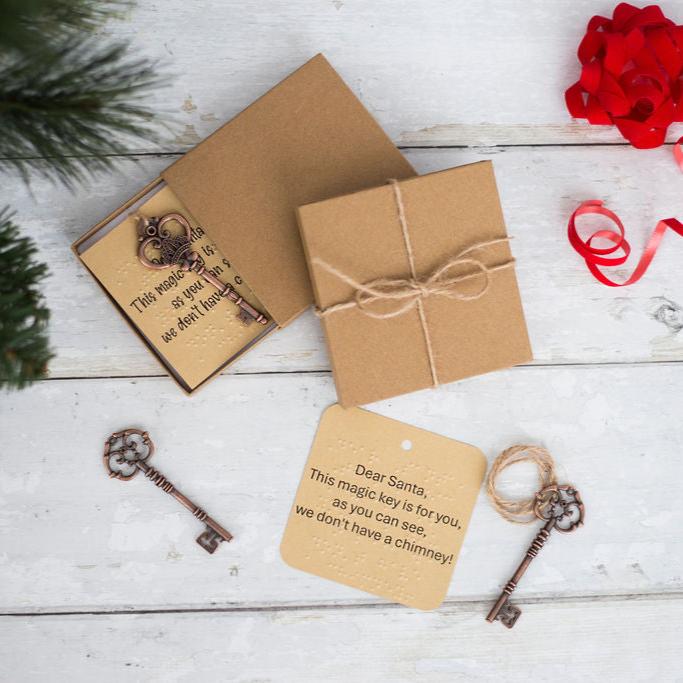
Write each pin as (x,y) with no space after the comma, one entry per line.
(73,539)
(576,641)
(571,318)
(433,72)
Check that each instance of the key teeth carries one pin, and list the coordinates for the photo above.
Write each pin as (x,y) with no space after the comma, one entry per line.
(508,615)
(244,317)
(209,540)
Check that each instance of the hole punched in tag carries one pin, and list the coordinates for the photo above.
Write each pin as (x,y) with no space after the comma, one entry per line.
(559,506)
(126,453)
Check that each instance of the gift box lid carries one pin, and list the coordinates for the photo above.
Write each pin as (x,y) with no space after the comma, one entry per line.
(390,330)
(307,139)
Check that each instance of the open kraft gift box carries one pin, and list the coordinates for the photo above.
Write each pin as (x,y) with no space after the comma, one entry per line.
(307,139)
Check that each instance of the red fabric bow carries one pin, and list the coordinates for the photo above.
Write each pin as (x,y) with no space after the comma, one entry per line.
(631,72)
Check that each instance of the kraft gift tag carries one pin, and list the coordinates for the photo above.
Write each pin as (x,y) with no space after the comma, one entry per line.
(383,507)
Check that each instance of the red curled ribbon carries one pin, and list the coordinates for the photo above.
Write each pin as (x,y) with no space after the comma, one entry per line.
(632,78)
(608,256)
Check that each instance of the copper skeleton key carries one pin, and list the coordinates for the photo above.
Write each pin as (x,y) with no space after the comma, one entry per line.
(561,508)
(126,453)
(176,250)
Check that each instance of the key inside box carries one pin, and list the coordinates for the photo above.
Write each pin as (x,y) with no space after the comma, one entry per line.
(192,329)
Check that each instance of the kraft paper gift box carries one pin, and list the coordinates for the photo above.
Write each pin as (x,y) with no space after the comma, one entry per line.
(415,283)
(307,139)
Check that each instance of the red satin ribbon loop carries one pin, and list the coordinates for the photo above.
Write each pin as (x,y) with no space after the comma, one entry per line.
(595,256)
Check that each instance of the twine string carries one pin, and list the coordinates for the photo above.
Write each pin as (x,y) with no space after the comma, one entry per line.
(422,291)
(408,293)
(521,510)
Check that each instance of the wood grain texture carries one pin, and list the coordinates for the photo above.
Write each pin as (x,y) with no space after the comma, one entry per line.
(486,79)
(571,318)
(574,641)
(433,72)
(74,539)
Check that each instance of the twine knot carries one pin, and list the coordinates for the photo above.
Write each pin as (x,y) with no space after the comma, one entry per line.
(521,510)
(406,293)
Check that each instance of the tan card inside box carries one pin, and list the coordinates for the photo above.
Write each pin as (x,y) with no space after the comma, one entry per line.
(307,139)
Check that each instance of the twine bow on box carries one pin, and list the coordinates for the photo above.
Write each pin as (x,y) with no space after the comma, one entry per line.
(400,295)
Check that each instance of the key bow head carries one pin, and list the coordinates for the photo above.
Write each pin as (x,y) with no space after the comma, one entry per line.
(171,249)
(562,504)
(122,450)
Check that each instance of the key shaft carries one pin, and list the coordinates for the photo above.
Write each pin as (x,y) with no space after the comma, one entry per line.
(126,453)
(248,312)
(165,485)
(176,251)
(561,508)
(531,553)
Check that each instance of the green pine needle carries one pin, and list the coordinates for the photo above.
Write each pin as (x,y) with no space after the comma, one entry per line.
(68,104)
(25,25)
(72,106)
(24,349)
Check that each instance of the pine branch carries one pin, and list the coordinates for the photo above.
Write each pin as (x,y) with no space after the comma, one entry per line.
(24,350)
(72,106)
(26,25)
(67,105)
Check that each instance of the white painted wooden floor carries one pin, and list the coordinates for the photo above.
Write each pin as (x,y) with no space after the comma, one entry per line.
(101,581)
